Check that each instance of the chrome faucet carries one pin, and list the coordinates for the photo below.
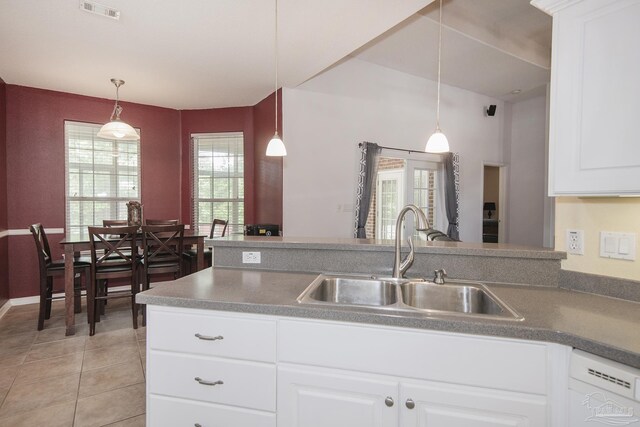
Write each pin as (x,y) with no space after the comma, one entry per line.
(399,268)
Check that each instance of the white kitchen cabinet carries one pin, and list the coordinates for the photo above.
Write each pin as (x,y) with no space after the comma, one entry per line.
(428,404)
(218,368)
(316,397)
(594,146)
(344,371)
(210,369)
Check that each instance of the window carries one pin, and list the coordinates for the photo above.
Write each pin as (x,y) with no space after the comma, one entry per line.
(218,180)
(101,176)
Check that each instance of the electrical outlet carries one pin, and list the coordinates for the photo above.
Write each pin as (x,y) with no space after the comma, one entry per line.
(251,257)
(575,242)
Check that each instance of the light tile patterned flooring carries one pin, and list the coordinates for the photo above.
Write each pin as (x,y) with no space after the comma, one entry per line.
(47,379)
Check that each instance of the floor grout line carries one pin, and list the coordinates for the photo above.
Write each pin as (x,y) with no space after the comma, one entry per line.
(33,342)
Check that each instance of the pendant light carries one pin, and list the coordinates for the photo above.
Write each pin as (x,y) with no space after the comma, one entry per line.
(276,147)
(116,128)
(437,142)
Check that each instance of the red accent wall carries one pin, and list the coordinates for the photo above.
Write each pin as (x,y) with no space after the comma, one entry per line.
(35,166)
(4,255)
(32,171)
(268,170)
(237,119)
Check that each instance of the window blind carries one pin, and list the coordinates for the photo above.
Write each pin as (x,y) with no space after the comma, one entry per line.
(218,180)
(101,176)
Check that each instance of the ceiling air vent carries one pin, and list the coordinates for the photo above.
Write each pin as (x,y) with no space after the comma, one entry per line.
(99,9)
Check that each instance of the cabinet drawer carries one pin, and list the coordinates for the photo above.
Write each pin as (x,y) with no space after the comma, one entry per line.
(246,384)
(235,337)
(172,412)
(454,358)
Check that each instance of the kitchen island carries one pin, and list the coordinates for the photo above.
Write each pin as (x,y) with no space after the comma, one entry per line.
(233,345)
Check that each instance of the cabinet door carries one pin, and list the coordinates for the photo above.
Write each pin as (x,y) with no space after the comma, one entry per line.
(316,397)
(447,405)
(595,99)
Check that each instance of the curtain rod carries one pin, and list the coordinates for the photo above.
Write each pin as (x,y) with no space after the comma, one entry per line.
(402,149)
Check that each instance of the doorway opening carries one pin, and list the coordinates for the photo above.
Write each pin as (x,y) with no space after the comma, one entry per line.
(494,204)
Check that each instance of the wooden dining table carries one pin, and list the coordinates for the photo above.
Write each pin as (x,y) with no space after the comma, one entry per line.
(73,243)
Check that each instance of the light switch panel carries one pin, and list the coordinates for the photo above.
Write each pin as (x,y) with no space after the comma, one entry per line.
(618,245)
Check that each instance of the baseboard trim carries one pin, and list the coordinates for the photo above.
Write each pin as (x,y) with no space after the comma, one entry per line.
(5,308)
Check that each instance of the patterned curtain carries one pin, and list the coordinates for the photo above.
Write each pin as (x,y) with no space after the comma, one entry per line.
(452,193)
(369,153)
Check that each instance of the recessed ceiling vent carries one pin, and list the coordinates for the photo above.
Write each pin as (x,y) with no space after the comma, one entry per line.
(99,9)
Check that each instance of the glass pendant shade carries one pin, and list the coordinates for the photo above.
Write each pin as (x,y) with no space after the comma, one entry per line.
(276,147)
(117,129)
(437,143)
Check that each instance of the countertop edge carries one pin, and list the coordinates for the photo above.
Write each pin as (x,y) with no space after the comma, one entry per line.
(500,328)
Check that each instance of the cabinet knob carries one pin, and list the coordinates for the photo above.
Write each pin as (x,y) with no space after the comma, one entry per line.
(208,338)
(410,403)
(389,401)
(197,425)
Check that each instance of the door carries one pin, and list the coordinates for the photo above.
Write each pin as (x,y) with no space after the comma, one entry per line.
(316,397)
(428,404)
(389,201)
(422,191)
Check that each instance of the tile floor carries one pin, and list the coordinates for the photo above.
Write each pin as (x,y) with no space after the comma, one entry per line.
(47,379)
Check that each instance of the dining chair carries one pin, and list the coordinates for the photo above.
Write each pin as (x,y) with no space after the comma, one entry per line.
(113,256)
(50,269)
(105,283)
(162,247)
(218,229)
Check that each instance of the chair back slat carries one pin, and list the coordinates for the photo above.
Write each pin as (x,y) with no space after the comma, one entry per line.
(162,243)
(161,221)
(42,246)
(114,246)
(218,228)
(115,223)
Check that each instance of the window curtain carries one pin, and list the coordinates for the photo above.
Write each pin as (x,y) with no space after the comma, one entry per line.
(452,193)
(369,153)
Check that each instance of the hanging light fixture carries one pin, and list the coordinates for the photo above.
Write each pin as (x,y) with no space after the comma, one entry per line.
(116,128)
(437,142)
(276,147)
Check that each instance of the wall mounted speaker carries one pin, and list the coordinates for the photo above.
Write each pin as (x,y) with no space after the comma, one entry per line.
(491,110)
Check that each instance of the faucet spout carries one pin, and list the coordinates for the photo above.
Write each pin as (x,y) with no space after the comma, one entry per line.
(400,268)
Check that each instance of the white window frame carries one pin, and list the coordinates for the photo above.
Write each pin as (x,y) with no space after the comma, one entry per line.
(117,196)
(236,203)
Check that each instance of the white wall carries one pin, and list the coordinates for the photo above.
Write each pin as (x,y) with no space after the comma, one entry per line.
(526,190)
(326,117)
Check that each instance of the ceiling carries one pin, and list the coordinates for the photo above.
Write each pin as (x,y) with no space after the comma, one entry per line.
(492,47)
(206,54)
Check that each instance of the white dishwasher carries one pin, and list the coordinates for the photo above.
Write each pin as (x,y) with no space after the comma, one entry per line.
(602,392)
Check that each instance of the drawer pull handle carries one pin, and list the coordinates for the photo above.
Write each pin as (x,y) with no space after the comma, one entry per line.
(208,338)
(205,382)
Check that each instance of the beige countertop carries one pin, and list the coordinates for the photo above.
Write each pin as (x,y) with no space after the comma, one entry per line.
(605,326)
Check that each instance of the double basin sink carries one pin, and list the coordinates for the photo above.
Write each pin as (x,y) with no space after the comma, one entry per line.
(451,298)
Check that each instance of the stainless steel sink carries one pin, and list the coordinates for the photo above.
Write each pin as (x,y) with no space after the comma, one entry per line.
(350,291)
(460,298)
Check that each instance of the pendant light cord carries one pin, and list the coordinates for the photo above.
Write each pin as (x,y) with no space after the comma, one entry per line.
(439,61)
(117,109)
(276,86)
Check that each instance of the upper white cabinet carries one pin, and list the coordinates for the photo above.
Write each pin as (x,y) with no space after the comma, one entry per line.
(594,139)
